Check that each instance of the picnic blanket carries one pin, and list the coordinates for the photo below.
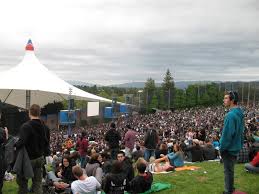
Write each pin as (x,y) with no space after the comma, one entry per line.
(159,187)
(163,172)
(186,168)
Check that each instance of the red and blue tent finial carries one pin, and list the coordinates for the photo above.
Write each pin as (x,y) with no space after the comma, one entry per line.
(29,46)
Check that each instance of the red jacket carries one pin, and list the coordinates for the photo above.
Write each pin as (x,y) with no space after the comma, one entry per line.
(255,161)
(130,138)
(82,146)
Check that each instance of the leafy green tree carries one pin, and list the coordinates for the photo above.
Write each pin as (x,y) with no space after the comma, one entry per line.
(180,101)
(153,103)
(52,108)
(191,96)
(149,90)
(168,88)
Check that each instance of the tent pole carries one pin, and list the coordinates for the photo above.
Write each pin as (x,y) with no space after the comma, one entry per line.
(8,95)
(28,99)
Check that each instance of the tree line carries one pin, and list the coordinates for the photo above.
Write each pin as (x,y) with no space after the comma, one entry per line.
(167,96)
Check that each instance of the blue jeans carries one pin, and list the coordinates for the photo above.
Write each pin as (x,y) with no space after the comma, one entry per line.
(251,168)
(148,153)
(51,176)
(82,161)
(229,162)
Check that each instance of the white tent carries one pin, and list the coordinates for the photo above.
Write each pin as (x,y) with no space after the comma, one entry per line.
(43,86)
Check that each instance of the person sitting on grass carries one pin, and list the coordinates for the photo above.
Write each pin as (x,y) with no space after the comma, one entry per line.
(175,159)
(64,176)
(127,167)
(209,152)
(94,167)
(253,166)
(163,150)
(143,181)
(116,181)
(84,184)
(196,151)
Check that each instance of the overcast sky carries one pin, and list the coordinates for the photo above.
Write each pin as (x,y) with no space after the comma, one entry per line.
(108,41)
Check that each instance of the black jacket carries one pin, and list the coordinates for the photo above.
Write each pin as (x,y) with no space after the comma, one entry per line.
(2,142)
(141,184)
(67,175)
(115,183)
(2,151)
(209,152)
(113,137)
(151,139)
(33,136)
(197,153)
(127,168)
(22,166)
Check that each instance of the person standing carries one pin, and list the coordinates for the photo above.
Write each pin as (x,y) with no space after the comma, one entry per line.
(3,139)
(32,136)
(113,138)
(150,142)
(129,139)
(82,145)
(232,139)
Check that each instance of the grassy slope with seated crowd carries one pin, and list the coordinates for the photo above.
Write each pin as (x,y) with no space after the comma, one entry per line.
(209,179)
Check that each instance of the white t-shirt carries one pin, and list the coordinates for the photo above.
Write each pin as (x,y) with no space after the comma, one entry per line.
(89,185)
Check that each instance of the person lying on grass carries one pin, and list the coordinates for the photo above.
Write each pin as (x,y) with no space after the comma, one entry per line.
(155,167)
(253,166)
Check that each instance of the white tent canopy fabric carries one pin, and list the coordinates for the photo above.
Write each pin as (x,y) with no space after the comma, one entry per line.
(45,87)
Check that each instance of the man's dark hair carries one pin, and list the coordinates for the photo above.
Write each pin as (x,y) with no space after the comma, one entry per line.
(137,147)
(105,155)
(35,110)
(151,125)
(116,167)
(233,95)
(83,134)
(112,125)
(141,167)
(121,152)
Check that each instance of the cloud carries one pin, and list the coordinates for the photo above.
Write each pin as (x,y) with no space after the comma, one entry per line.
(113,41)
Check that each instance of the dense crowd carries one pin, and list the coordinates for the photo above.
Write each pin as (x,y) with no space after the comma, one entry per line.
(107,156)
(201,122)
(183,135)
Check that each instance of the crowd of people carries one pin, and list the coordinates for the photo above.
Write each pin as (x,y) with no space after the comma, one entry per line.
(161,141)
(106,156)
(181,127)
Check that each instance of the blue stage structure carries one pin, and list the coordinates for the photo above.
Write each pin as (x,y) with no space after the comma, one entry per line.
(67,117)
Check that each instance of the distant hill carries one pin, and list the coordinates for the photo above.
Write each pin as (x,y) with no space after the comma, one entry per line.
(132,85)
(179,84)
(79,83)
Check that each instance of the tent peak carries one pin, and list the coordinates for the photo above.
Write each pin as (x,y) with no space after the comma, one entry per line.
(29,46)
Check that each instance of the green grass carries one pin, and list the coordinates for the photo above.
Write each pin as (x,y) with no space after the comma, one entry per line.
(194,182)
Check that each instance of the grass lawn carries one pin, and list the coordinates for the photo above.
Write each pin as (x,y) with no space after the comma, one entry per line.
(209,179)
